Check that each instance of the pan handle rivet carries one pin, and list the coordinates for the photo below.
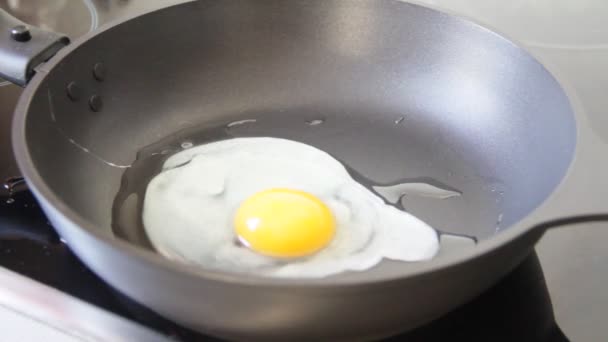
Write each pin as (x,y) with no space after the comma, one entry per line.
(74,91)
(95,103)
(99,71)
(21,33)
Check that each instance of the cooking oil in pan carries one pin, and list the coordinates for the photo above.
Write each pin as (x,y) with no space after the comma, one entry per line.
(127,208)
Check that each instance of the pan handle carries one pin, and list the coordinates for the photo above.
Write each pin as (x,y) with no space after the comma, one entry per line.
(23,48)
(571,221)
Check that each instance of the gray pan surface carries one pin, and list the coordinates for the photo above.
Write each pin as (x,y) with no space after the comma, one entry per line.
(403,92)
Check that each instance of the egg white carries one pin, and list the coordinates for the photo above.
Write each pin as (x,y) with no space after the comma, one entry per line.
(189,207)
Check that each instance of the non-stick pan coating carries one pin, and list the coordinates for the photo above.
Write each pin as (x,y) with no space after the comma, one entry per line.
(479,114)
(404,92)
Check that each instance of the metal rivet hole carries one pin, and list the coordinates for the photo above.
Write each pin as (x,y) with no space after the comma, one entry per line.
(95,103)
(74,91)
(99,71)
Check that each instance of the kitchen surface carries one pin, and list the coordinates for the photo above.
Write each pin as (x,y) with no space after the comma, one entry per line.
(569,37)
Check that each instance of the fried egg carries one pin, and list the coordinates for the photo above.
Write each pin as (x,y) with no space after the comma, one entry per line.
(275,207)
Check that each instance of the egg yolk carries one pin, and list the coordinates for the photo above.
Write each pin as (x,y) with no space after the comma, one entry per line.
(284,223)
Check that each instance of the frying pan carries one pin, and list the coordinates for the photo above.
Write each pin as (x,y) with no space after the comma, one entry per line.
(402,91)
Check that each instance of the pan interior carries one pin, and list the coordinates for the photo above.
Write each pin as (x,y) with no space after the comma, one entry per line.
(394,90)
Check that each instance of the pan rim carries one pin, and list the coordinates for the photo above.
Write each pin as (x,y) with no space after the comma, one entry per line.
(38,185)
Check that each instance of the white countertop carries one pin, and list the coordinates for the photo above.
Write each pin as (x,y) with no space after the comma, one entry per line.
(31,311)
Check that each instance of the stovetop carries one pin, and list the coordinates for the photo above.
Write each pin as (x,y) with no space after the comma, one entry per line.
(519,308)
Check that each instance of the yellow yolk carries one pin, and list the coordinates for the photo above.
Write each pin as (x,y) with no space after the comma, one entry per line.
(284,223)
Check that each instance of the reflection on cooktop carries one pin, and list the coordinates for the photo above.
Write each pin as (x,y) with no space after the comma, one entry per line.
(517,309)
